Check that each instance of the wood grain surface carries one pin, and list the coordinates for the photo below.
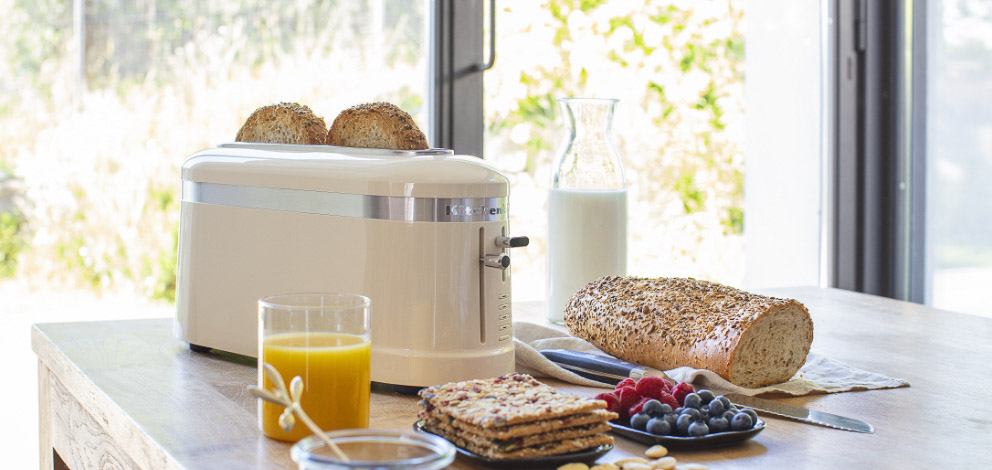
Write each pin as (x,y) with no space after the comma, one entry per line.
(127,394)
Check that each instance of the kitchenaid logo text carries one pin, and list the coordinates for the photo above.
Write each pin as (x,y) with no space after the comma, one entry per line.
(458,209)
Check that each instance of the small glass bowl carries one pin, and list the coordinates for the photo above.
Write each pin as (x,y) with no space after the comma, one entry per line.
(383,449)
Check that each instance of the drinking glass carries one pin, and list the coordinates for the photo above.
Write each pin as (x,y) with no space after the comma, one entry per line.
(323,338)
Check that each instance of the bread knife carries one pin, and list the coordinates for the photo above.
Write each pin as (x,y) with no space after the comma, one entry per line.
(801,414)
(606,369)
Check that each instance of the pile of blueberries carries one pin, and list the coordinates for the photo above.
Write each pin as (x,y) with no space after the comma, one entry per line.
(702,414)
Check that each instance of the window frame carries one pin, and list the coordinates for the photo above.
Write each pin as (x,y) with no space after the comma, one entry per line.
(455,78)
(878,158)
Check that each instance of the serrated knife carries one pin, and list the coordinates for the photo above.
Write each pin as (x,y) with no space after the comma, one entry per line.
(800,413)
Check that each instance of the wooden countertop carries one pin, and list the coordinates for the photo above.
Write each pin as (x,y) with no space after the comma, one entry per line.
(129,393)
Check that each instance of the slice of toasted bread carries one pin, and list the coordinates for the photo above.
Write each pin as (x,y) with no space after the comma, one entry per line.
(376,125)
(284,123)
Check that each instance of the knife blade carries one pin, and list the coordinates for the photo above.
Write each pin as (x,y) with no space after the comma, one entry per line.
(801,414)
(606,369)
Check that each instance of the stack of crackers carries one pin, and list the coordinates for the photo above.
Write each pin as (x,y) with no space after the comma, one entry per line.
(514,416)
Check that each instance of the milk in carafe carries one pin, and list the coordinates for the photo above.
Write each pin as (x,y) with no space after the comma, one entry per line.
(586,224)
(587,204)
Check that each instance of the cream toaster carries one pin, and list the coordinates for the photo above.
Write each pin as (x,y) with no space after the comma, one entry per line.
(423,234)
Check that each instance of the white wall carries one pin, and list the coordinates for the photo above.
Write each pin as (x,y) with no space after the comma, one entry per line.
(782,184)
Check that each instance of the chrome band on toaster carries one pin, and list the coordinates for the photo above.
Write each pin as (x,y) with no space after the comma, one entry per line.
(410,209)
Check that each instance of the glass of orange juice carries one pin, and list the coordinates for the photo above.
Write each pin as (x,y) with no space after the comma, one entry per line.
(324,339)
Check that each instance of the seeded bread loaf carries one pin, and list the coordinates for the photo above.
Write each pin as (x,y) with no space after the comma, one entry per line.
(376,125)
(749,339)
(284,123)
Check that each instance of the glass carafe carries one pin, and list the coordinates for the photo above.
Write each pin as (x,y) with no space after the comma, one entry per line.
(587,204)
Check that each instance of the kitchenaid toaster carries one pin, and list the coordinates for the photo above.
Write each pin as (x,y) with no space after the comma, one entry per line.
(423,234)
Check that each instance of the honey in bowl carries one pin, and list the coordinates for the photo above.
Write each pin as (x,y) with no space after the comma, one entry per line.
(335,368)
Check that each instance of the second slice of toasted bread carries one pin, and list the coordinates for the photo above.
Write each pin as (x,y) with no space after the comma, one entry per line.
(376,125)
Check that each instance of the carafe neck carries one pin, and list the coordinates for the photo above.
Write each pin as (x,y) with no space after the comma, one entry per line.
(588,118)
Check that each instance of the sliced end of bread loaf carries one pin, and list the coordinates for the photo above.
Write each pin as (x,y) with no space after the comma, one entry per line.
(773,348)
(284,123)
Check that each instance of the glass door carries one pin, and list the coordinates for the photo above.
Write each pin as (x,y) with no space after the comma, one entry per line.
(958,236)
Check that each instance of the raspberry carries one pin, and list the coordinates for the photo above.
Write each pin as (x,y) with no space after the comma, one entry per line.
(638,406)
(650,386)
(628,398)
(668,399)
(681,390)
(612,401)
(628,382)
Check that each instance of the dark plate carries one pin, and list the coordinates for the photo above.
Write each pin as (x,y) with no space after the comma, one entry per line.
(719,439)
(587,456)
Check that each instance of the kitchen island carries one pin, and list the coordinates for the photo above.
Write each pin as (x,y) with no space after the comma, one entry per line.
(127,394)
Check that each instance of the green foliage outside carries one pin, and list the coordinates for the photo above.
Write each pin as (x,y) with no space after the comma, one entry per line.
(99,152)
(101,161)
(11,242)
(678,70)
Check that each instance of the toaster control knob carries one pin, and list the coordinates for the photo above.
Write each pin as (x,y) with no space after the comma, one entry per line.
(512,242)
(499,261)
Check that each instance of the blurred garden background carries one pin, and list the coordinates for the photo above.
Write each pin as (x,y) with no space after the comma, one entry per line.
(98,111)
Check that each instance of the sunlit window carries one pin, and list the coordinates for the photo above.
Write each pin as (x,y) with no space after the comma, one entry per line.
(97,113)
(677,68)
(959,156)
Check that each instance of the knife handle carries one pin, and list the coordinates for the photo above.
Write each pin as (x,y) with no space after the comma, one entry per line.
(593,366)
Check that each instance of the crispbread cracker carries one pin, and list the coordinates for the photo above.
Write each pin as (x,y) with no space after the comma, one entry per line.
(525,429)
(504,401)
(551,448)
(515,443)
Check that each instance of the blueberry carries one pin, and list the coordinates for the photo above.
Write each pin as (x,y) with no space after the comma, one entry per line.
(741,422)
(683,423)
(673,420)
(706,396)
(716,408)
(726,402)
(653,408)
(666,408)
(698,428)
(751,413)
(694,413)
(718,424)
(639,421)
(678,410)
(728,415)
(659,427)
(692,400)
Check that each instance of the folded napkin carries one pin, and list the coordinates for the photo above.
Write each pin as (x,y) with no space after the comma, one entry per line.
(818,375)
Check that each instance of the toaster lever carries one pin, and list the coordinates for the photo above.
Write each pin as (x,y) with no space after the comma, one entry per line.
(498,261)
(512,242)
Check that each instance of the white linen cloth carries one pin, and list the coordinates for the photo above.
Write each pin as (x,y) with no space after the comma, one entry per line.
(818,375)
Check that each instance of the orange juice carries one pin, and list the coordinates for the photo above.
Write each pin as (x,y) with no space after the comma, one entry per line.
(335,369)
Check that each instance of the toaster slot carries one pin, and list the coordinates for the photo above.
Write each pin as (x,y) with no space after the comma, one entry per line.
(482,286)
